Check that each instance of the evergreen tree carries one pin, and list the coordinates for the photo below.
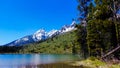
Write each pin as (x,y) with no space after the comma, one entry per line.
(81,32)
(101,28)
(83,9)
(81,40)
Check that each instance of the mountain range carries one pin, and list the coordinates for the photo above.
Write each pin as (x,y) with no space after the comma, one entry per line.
(41,35)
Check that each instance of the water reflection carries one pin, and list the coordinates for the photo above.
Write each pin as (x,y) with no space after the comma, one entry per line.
(28,60)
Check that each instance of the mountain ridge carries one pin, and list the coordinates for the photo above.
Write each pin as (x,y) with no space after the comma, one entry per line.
(41,35)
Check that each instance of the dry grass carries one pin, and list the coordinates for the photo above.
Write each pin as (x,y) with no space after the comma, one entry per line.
(94,63)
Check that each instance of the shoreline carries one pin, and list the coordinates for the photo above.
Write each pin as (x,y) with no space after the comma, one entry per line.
(88,63)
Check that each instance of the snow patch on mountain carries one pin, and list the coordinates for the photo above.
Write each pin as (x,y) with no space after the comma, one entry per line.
(39,35)
(67,28)
(52,33)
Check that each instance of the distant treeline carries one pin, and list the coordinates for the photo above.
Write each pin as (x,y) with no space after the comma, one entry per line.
(10,49)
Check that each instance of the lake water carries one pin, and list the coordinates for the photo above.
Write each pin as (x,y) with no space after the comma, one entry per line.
(22,60)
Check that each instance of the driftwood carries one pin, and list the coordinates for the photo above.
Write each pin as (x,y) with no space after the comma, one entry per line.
(112,51)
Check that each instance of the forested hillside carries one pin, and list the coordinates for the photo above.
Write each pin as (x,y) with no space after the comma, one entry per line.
(61,44)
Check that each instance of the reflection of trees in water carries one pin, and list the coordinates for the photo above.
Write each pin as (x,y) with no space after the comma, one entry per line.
(59,65)
(53,65)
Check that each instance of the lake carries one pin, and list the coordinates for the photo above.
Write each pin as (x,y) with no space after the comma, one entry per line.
(23,60)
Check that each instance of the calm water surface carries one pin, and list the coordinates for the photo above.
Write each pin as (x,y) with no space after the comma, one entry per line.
(21,60)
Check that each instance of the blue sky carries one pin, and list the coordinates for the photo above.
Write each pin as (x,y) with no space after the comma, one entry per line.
(19,18)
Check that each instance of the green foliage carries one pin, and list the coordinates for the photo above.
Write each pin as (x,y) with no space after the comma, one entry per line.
(102,32)
(101,29)
(100,35)
(62,44)
(118,32)
(83,8)
(81,40)
(9,49)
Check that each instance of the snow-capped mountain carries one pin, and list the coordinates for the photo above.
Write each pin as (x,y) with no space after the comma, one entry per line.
(21,41)
(67,28)
(41,35)
(53,33)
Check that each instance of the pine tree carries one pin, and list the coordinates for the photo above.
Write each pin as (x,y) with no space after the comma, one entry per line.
(101,28)
(81,40)
(83,8)
(81,32)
